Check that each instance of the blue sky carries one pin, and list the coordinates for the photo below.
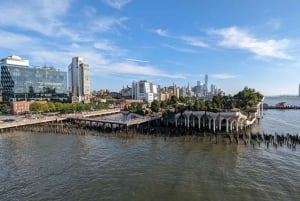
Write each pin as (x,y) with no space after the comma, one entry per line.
(236,42)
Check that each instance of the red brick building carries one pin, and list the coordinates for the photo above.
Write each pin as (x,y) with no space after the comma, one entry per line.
(21,107)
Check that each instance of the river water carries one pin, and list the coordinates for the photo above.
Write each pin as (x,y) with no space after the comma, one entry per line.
(67,167)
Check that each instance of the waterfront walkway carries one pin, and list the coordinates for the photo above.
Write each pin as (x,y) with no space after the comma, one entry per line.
(44,119)
(100,112)
(26,122)
(84,117)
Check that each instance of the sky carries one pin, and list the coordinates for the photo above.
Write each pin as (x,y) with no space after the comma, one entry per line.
(237,43)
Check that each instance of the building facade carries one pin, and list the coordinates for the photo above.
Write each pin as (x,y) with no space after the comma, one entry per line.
(20,82)
(21,107)
(144,90)
(79,80)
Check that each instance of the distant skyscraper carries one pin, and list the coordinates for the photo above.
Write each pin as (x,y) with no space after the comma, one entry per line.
(79,80)
(206,85)
(299,90)
(212,89)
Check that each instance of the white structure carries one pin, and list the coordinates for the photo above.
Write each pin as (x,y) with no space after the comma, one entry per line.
(228,121)
(15,60)
(144,90)
(79,79)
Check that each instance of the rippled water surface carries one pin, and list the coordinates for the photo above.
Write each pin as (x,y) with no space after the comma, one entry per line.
(67,167)
(63,167)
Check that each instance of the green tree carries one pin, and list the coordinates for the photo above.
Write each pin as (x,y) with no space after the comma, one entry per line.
(35,107)
(247,98)
(51,107)
(173,100)
(136,108)
(87,107)
(44,108)
(217,101)
(155,106)
(58,106)
(4,108)
(163,104)
(183,99)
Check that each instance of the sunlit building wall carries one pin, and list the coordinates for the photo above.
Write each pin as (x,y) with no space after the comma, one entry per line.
(79,80)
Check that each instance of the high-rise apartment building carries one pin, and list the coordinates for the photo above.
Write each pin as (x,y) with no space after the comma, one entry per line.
(21,82)
(144,90)
(79,80)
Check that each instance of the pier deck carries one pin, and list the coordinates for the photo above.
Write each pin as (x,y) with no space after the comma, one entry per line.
(30,122)
(45,119)
(82,117)
(127,123)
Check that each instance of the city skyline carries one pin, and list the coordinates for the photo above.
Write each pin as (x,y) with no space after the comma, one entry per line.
(235,43)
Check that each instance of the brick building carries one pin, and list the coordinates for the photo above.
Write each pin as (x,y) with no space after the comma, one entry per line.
(21,107)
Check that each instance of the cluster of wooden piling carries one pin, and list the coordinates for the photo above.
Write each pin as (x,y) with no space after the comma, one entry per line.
(276,140)
(158,129)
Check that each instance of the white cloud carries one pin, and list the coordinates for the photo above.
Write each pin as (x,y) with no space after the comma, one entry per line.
(100,63)
(105,24)
(161,32)
(188,40)
(274,23)
(234,37)
(137,60)
(40,16)
(104,45)
(134,68)
(180,49)
(223,76)
(109,49)
(46,18)
(118,4)
(193,41)
(11,40)
(89,11)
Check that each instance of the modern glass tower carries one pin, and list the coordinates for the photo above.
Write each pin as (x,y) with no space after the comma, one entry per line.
(79,78)
(21,82)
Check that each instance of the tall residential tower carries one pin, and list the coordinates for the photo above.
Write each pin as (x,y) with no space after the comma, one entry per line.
(79,80)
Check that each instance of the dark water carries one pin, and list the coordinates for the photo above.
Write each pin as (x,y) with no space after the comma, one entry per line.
(65,167)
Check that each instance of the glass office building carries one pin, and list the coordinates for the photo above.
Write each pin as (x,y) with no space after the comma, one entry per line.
(21,82)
